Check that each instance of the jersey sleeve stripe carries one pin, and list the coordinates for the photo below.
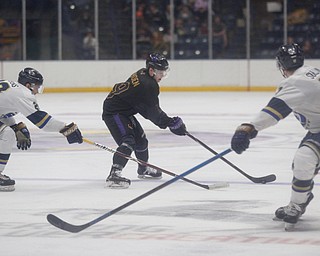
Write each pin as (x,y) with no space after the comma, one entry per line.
(4,159)
(39,118)
(274,113)
(44,121)
(277,108)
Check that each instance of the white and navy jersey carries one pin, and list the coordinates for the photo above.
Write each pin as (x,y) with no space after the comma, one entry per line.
(300,94)
(16,98)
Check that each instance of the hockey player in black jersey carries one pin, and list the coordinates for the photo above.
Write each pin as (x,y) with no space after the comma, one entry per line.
(138,95)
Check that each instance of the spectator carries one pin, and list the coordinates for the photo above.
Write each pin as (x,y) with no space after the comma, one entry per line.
(307,48)
(89,45)
(160,43)
(155,18)
(200,9)
(220,39)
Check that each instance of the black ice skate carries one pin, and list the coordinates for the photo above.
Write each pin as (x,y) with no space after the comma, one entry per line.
(291,213)
(115,180)
(6,184)
(146,172)
(281,212)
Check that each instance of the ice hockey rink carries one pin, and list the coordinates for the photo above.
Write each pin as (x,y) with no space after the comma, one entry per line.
(180,219)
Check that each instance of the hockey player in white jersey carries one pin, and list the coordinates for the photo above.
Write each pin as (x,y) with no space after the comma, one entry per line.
(20,98)
(299,93)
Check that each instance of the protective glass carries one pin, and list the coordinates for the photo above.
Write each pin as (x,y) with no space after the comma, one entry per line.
(37,88)
(279,66)
(162,73)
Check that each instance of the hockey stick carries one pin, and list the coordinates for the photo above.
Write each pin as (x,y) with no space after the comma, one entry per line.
(59,223)
(263,180)
(209,187)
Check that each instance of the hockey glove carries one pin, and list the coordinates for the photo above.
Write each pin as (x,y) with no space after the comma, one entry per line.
(177,126)
(241,138)
(22,136)
(72,133)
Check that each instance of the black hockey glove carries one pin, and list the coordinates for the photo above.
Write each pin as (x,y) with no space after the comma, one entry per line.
(72,133)
(241,138)
(22,136)
(177,126)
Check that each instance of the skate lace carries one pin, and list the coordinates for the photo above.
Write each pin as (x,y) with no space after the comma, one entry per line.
(117,173)
(292,209)
(116,170)
(150,170)
(4,177)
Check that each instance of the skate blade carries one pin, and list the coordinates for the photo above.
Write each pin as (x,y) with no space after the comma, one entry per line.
(148,177)
(120,185)
(277,219)
(289,227)
(7,188)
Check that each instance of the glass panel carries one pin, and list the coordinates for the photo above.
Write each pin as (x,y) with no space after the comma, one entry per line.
(78,39)
(191,29)
(10,30)
(41,29)
(115,29)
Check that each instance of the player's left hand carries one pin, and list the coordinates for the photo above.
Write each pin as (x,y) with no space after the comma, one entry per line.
(241,138)
(72,133)
(22,136)
(177,126)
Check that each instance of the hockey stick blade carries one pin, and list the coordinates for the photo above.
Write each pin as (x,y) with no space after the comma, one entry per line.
(63,225)
(218,185)
(143,163)
(261,180)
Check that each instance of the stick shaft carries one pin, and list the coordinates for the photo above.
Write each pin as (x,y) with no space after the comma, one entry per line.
(59,223)
(143,163)
(265,179)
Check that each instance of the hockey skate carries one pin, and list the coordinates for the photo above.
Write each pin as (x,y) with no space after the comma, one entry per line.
(6,184)
(291,213)
(115,180)
(146,172)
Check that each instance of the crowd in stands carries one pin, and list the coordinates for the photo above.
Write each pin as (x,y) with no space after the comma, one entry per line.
(153,25)
(190,37)
(228,30)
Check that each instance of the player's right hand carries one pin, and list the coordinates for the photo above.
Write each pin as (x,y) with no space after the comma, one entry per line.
(177,126)
(241,138)
(72,133)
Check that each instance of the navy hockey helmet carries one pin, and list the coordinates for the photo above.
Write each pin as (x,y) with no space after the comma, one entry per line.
(157,61)
(290,57)
(31,76)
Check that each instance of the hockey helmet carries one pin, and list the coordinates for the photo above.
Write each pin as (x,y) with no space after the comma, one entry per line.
(157,61)
(31,76)
(290,57)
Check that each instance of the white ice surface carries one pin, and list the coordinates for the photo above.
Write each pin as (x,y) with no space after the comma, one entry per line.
(180,219)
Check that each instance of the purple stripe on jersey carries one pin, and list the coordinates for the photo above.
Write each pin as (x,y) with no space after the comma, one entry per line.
(119,124)
(271,114)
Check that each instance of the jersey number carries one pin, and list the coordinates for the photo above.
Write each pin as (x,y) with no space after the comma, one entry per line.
(118,89)
(4,86)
